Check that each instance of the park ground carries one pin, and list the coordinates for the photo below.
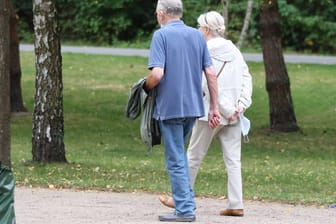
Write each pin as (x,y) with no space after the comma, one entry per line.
(40,206)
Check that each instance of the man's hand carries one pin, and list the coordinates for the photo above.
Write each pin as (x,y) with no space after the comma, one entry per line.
(214,119)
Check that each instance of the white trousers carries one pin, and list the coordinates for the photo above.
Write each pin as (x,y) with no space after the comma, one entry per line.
(230,140)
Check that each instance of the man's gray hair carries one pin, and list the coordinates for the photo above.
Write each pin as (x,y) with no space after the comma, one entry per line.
(171,7)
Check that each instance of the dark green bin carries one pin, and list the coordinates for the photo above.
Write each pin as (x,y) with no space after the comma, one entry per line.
(7,213)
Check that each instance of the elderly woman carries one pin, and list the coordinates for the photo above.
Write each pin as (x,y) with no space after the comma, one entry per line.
(234,97)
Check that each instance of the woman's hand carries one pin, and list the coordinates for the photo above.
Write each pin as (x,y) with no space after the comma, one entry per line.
(235,115)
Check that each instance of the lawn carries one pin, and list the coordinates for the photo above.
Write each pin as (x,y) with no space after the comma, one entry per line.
(105,152)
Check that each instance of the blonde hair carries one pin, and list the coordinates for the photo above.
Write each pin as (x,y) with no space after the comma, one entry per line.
(214,21)
(171,7)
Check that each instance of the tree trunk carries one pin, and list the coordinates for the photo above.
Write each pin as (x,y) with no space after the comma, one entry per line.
(16,102)
(4,84)
(48,122)
(282,116)
(226,15)
(246,23)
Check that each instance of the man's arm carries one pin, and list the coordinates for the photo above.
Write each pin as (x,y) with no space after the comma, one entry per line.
(154,77)
(214,115)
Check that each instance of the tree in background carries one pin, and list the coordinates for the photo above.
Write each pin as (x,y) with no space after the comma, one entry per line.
(225,4)
(16,102)
(7,213)
(48,122)
(282,116)
(247,19)
(4,85)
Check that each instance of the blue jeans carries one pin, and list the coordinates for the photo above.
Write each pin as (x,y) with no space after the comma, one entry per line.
(175,134)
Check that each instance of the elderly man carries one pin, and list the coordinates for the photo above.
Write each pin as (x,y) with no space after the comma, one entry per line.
(178,55)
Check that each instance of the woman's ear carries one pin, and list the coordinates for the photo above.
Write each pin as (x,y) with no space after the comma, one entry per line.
(207,30)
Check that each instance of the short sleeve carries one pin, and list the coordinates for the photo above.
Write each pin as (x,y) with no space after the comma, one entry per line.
(157,51)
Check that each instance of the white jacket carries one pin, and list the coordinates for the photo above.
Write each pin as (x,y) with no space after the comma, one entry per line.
(234,82)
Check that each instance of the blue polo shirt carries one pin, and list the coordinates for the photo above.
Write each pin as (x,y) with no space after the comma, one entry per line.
(183,54)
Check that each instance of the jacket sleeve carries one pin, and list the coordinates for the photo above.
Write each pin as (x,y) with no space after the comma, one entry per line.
(245,98)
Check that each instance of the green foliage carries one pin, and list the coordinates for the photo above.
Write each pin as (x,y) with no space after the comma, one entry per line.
(105,21)
(99,22)
(105,151)
(307,26)
(192,9)
(237,10)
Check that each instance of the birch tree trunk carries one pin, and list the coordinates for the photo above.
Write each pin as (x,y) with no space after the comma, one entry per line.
(282,116)
(246,23)
(226,15)
(48,122)
(4,85)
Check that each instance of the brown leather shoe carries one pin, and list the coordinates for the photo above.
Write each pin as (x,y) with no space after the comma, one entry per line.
(167,201)
(232,212)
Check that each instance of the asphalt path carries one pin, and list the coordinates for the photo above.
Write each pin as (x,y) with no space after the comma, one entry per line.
(253,57)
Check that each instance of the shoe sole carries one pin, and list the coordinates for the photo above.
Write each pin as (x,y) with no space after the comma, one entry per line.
(177,219)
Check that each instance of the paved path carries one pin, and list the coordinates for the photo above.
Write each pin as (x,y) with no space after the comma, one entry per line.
(45,206)
(308,59)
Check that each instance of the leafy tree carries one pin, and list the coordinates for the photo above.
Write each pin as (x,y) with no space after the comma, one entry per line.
(48,122)
(282,116)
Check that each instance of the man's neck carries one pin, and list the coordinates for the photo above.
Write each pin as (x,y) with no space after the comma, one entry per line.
(170,19)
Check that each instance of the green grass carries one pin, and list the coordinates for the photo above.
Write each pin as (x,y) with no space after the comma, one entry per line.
(105,152)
